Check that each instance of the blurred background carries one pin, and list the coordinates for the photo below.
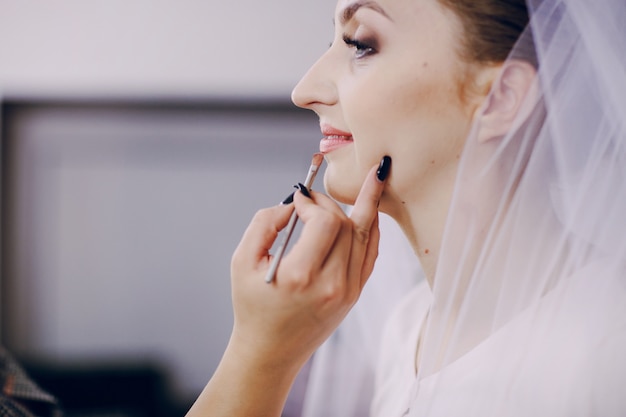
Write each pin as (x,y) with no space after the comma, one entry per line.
(137,140)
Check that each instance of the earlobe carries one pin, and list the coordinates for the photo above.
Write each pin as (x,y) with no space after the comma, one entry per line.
(504,107)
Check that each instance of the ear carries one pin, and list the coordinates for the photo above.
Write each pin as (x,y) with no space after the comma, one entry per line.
(506,106)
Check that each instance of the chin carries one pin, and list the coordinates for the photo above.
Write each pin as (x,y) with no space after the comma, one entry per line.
(343,189)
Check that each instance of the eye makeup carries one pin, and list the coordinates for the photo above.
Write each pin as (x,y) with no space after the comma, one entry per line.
(363,48)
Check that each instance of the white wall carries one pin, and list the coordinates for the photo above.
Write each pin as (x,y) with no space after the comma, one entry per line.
(159,47)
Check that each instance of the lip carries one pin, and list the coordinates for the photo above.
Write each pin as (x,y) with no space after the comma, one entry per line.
(333,139)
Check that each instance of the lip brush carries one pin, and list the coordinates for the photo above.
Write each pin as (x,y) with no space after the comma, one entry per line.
(316,162)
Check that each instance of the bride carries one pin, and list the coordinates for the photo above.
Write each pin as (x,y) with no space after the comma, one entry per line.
(494,133)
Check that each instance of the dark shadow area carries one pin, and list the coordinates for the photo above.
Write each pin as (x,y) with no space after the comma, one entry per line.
(107,389)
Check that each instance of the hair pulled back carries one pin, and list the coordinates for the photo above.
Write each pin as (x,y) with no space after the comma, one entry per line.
(491,28)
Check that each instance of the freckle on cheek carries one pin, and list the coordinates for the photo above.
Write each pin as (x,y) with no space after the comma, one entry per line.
(427,251)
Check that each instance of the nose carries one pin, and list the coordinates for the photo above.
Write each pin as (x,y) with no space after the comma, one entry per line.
(317,87)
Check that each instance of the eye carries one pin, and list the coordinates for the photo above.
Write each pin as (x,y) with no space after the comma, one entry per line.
(362,49)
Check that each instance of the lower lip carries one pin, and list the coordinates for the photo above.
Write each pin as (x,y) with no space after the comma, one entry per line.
(332,143)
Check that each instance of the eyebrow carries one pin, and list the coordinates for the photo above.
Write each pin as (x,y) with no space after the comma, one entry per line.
(349,11)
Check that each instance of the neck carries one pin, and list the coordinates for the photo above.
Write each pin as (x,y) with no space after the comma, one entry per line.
(422,218)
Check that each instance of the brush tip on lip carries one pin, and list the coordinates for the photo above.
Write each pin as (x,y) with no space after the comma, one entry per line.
(317,159)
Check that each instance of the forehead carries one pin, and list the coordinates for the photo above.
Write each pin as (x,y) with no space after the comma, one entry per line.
(401,12)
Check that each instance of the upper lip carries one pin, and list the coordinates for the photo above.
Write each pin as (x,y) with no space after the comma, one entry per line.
(328,130)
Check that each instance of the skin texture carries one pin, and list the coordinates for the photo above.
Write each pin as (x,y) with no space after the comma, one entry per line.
(403,93)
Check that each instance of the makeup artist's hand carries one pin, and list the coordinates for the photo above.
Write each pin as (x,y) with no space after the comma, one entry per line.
(317,282)
(279,325)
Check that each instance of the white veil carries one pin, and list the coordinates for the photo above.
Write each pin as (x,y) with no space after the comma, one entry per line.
(529,299)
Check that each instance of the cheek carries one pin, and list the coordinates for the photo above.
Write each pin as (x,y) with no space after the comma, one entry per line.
(414,118)
(427,106)
(375,116)
(426,95)
(386,117)
(421,124)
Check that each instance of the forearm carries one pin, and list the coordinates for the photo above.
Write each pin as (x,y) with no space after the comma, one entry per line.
(243,386)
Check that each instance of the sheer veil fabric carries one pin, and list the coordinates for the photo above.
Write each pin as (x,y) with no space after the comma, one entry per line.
(527,313)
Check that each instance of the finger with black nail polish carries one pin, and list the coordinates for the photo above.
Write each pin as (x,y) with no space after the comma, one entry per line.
(304,190)
(384,168)
(287,200)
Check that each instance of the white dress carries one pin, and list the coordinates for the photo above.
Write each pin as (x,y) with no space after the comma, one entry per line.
(571,361)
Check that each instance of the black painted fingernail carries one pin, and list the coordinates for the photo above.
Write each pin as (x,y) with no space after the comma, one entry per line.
(288,200)
(304,190)
(384,168)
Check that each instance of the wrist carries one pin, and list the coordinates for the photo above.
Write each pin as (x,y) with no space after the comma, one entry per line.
(276,361)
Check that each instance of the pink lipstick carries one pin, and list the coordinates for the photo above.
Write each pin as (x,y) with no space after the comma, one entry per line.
(334,139)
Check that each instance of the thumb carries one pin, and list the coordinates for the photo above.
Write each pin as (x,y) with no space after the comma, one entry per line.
(262,232)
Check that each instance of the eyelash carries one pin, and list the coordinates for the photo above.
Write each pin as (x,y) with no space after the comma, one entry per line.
(362,49)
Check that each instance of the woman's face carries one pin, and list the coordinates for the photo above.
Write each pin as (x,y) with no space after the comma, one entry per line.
(390,84)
